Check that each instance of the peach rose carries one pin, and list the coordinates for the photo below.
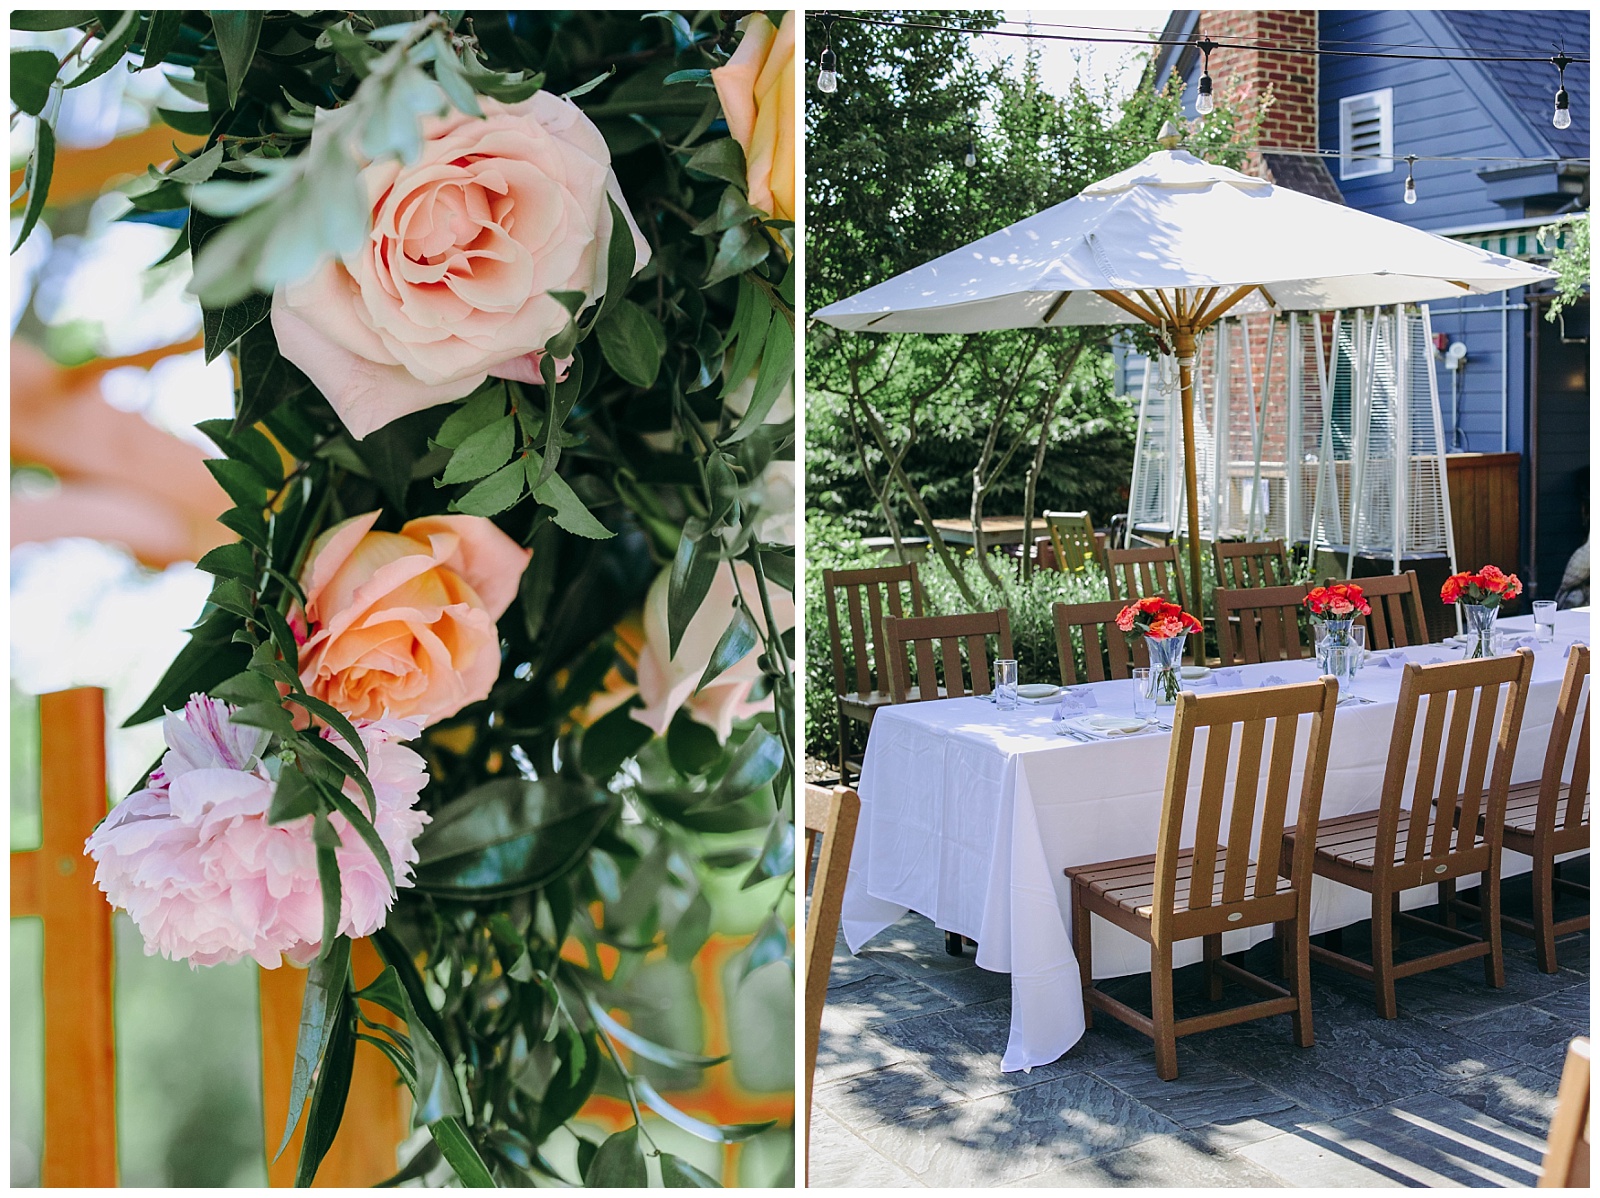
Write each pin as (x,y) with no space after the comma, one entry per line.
(466,244)
(666,684)
(756,88)
(403,624)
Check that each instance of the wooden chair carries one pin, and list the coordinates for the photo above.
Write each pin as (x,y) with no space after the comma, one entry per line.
(1399,847)
(1551,816)
(1072,537)
(869,595)
(832,815)
(1106,651)
(1566,1156)
(1216,887)
(1397,617)
(914,637)
(1260,624)
(1250,564)
(1134,573)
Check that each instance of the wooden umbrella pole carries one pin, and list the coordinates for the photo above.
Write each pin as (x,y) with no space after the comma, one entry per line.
(1183,344)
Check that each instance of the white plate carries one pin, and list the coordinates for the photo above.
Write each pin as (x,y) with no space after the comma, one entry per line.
(1115,723)
(1195,673)
(1037,690)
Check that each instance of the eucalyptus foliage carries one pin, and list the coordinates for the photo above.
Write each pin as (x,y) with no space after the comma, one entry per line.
(550,830)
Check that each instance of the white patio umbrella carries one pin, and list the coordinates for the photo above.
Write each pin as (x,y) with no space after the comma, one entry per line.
(1175,243)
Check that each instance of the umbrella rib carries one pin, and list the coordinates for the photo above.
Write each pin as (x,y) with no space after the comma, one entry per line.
(1159,304)
(1055,307)
(1127,305)
(1221,309)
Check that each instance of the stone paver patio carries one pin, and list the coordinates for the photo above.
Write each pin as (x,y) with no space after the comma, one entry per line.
(1457,1092)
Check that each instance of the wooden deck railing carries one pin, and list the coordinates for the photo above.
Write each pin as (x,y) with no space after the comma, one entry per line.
(56,883)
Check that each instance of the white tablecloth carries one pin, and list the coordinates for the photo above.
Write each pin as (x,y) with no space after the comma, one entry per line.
(969,815)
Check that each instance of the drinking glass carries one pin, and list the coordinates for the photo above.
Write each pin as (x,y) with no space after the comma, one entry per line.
(1144,702)
(1005,683)
(1544,620)
(1358,649)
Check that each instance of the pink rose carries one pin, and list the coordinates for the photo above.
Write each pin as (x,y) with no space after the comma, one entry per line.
(466,244)
(1166,626)
(207,879)
(667,683)
(403,624)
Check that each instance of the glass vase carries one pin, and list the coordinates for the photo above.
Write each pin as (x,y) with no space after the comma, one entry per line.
(1334,632)
(1166,660)
(1480,619)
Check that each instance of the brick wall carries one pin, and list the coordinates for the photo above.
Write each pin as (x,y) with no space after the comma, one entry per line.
(1251,75)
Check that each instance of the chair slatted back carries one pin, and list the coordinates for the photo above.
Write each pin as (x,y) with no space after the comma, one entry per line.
(1072,538)
(1561,817)
(1135,573)
(1255,805)
(917,635)
(1267,627)
(1397,617)
(870,595)
(1250,564)
(1455,703)
(833,815)
(1566,1155)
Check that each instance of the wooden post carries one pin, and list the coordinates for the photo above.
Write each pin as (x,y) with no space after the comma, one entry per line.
(56,882)
(1183,343)
(377,1112)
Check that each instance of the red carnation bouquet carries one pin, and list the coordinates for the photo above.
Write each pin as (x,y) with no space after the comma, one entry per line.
(1337,601)
(1154,617)
(1489,587)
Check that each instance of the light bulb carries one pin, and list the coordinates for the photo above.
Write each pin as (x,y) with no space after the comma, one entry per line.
(1563,115)
(828,75)
(972,155)
(1411,190)
(1203,102)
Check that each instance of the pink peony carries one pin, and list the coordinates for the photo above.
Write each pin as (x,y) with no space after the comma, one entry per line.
(206,879)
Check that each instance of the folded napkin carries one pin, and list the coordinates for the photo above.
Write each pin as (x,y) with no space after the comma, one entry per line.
(1272,680)
(1081,724)
(1075,703)
(1228,676)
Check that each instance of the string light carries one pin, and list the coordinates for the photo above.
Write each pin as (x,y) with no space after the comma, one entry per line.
(1203,102)
(1563,114)
(828,64)
(1411,183)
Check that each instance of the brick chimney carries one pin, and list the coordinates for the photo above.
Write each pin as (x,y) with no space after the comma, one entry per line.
(1247,76)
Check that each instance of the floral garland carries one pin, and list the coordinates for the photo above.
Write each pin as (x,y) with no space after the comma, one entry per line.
(507,631)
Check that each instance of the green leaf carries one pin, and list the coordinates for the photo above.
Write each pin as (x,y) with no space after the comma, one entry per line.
(358,819)
(208,658)
(510,835)
(737,640)
(43,20)
(270,716)
(677,1173)
(570,512)
(386,991)
(241,481)
(570,1088)
(182,120)
(224,326)
(632,342)
(739,249)
(333,1088)
(237,34)
(756,763)
(752,317)
(422,1163)
(620,258)
(722,159)
(457,1148)
(770,944)
(266,378)
(483,452)
(732,209)
(232,595)
(478,412)
(246,445)
(777,372)
(41,165)
(325,983)
(585,88)
(777,854)
(694,567)
(162,35)
(695,1127)
(647,1049)
(693,75)
(690,933)
(619,1163)
(496,493)
(778,566)
(230,561)
(117,40)
(327,842)
(32,73)
(336,720)
(245,688)
(611,740)
(294,797)
(396,957)
(197,170)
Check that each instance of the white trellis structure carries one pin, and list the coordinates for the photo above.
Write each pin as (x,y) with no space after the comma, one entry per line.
(1323,430)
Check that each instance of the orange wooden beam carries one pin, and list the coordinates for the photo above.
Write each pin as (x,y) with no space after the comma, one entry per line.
(82,174)
(80,1107)
(24,884)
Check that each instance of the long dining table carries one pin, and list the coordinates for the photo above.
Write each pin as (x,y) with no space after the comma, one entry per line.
(970,814)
